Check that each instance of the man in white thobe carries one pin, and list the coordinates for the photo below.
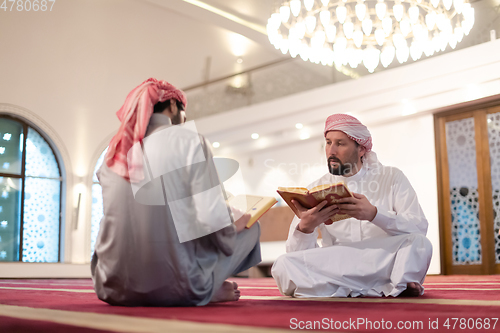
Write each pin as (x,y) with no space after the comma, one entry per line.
(167,237)
(381,251)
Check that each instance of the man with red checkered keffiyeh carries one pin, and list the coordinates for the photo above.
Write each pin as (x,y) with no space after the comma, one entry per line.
(380,251)
(167,237)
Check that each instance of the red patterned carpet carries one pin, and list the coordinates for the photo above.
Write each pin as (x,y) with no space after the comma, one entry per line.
(450,304)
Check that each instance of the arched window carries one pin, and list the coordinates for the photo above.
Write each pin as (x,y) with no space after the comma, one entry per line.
(30,194)
(97,210)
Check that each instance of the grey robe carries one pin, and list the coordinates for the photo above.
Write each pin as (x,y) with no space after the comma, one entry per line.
(138,258)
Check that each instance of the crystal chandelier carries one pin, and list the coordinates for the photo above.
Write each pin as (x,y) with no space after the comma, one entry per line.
(370,31)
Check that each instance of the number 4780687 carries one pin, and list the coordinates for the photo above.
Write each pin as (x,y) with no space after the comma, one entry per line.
(27,5)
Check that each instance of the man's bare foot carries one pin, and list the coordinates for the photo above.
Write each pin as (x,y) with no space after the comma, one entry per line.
(413,289)
(229,292)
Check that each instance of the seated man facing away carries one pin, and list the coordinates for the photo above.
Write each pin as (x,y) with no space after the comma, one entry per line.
(381,251)
(167,237)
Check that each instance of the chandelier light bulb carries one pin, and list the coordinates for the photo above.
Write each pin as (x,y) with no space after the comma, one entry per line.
(308,4)
(357,37)
(358,56)
(459,33)
(470,17)
(380,36)
(294,47)
(349,53)
(418,32)
(277,41)
(402,54)
(416,50)
(371,58)
(325,56)
(398,40)
(275,21)
(436,43)
(387,55)
(292,34)
(466,9)
(387,25)
(325,2)
(348,28)
(444,39)
(360,11)
(428,48)
(331,31)
(301,29)
(318,40)
(458,4)
(435,3)
(324,17)
(295,7)
(430,20)
(447,4)
(340,44)
(414,13)
(284,13)
(405,26)
(367,25)
(398,11)
(453,41)
(380,9)
(284,45)
(310,23)
(339,57)
(304,51)
(441,21)
(341,12)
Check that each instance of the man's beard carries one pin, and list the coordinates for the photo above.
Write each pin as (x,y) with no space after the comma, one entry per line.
(340,169)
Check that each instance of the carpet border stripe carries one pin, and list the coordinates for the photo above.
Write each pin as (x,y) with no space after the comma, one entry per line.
(128,324)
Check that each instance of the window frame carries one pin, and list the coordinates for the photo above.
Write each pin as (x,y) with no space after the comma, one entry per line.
(25,124)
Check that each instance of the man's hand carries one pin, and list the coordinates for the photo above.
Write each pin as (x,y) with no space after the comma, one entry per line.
(242,222)
(358,207)
(311,218)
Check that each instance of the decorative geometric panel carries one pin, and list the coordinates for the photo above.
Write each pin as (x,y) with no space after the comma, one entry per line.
(494,143)
(97,214)
(41,220)
(10,214)
(11,144)
(461,149)
(465,226)
(40,160)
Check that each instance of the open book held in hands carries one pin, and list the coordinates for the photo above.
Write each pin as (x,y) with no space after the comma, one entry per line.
(313,197)
(254,205)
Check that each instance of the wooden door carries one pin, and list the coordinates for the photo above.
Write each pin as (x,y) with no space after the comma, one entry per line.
(468,158)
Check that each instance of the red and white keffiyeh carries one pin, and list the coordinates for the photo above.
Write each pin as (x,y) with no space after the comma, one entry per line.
(356,131)
(134,116)
(352,127)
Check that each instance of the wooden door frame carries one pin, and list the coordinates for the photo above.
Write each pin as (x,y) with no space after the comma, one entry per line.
(464,110)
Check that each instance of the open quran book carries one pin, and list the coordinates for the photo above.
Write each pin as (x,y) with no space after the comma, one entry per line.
(311,198)
(254,205)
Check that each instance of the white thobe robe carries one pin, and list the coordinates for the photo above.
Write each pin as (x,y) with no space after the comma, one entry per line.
(140,258)
(360,258)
